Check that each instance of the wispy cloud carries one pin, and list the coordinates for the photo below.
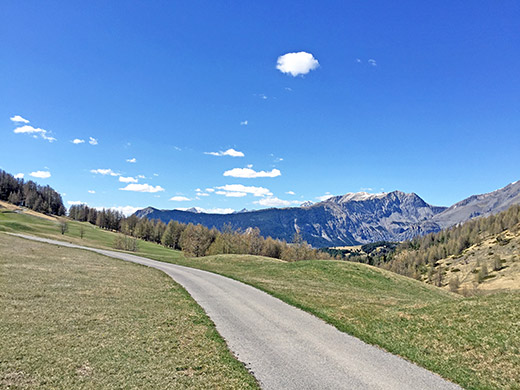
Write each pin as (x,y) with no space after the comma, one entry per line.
(248,173)
(40,174)
(131,160)
(142,188)
(229,152)
(244,123)
(324,197)
(19,176)
(105,172)
(127,179)
(290,193)
(208,211)
(179,199)
(92,141)
(18,119)
(78,141)
(372,62)
(273,201)
(297,63)
(231,194)
(236,189)
(35,132)
(91,191)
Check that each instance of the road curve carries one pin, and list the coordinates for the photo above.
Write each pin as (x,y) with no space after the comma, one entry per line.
(285,347)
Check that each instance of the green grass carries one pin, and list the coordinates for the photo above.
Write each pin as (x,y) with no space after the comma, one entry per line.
(74,319)
(474,342)
(13,222)
(471,341)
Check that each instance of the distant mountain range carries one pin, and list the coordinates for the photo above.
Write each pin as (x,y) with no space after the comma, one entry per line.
(353,218)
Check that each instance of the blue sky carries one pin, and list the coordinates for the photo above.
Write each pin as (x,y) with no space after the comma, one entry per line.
(417,96)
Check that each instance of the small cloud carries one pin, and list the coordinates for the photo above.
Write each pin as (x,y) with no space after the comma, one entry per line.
(248,173)
(210,190)
(366,189)
(202,194)
(288,89)
(77,141)
(229,152)
(105,172)
(142,188)
(127,179)
(324,197)
(131,160)
(91,191)
(35,132)
(297,63)
(232,194)
(156,174)
(19,176)
(92,141)
(40,174)
(126,210)
(358,60)
(208,211)
(273,201)
(244,123)
(372,62)
(74,202)
(239,188)
(177,148)
(179,199)
(18,119)
(262,96)
(141,176)
(290,193)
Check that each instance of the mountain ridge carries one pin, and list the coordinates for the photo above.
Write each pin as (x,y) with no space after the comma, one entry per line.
(352,218)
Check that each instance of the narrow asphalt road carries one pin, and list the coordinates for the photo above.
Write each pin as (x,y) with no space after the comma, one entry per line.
(285,347)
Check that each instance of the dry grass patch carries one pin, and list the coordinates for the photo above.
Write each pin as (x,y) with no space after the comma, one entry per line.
(74,319)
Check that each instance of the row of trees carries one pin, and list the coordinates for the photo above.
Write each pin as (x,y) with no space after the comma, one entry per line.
(42,199)
(415,257)
(197,240)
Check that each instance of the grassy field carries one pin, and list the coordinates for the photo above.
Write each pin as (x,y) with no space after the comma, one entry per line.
(75,319)
(472,341)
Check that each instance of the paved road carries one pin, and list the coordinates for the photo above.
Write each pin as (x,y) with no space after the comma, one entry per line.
(284,347)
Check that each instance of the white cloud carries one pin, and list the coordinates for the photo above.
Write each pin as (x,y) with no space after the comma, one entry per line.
(273,201)
(127,179)
(77,141)
(297,63)
(231,194)
(358,60)
(202,194)
(288,89)
(372,62)
(366,189)
(208,211)
(229,152)
(324,197)
(262,96)
(142,188)
(249,173)
(156,174)
(179,199)
(91,191)
(40,174)
(210,190)
(105,172)
(92,141)
(141,176)
(74,202)
(126,210)
(290,193)
(18,119)
(35,131)
(243,123)
(131,160)
(239,188)
(19,176)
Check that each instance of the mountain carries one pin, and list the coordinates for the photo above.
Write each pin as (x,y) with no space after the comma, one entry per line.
(353,218)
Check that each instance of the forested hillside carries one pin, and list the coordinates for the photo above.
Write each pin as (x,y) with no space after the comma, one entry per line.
(42,199)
